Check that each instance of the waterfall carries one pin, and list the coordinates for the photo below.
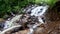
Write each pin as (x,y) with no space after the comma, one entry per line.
(38,11)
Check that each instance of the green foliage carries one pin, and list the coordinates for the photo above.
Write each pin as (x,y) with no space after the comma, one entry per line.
(49,2)
(7,6)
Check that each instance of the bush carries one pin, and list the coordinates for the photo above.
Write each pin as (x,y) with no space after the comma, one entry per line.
(7,6)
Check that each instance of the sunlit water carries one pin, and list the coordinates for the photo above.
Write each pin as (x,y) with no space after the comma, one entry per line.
(37,11)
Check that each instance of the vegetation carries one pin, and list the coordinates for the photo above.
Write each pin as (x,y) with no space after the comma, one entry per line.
(7,6)
(49,2)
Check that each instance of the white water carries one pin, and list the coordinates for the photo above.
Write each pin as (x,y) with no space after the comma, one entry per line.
(9,23)
(38,11)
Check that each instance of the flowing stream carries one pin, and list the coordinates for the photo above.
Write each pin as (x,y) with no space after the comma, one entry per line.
(37,11)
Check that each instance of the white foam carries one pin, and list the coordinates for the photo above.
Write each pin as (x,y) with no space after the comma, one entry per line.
(39,10)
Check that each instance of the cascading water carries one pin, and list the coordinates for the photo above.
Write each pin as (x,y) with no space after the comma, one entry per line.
(37,11)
